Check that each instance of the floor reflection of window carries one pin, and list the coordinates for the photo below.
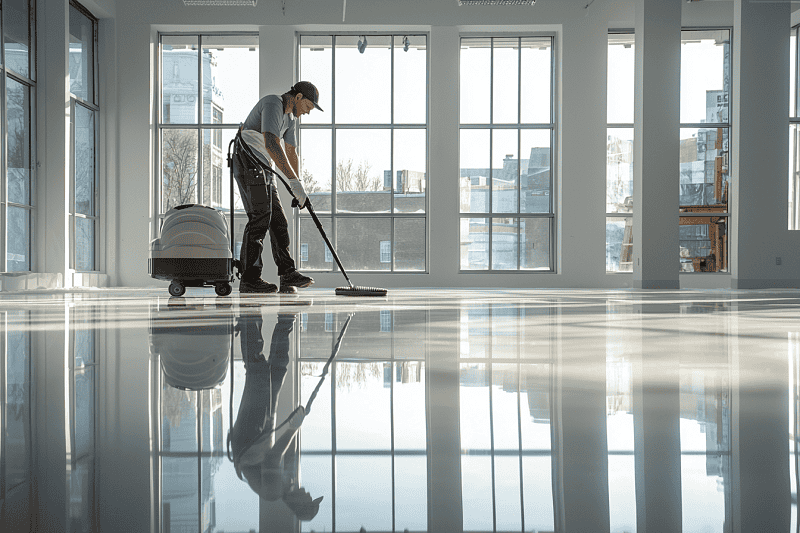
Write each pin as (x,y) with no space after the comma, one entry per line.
(794,419)
(16,399)
(505,409)
(192,451)
(364,442)
(705,448)
(84,370)
(619,424)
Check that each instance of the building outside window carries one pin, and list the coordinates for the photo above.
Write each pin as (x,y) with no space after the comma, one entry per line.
(705,123)
(84,107)
(507,131)
(208,85)
(794,136)
(18,67)
(364,159)
(619,154)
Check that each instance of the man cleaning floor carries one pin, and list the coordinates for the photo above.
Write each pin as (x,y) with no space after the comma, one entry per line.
(274,118)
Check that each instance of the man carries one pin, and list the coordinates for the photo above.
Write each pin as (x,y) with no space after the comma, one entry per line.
(274,118)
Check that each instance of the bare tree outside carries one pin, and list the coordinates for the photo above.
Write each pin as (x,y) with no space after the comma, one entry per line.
(179,167)
(350,177)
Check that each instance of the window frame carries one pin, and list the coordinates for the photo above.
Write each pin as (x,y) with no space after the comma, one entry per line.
(199,126)
(794,122)
(729,126)
(519,127)
(616,126)
(30,83)
(333,127)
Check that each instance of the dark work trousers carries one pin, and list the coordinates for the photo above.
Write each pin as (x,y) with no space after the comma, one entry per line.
(264,213)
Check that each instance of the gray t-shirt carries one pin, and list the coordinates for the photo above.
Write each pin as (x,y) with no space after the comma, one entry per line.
(268,116)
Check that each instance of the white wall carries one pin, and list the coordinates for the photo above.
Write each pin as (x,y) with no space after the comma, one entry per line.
(580,92)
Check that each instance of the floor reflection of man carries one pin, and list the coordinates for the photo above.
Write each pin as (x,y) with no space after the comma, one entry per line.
(267,463)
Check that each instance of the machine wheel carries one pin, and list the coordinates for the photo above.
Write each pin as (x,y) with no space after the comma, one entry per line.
(176,288)
(223,289)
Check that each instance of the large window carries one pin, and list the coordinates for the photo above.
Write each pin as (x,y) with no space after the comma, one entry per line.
(84,109)
(794,136)
(506,146)
(704,150)
(619,153)
(18,67)
(209,83)
(364,161)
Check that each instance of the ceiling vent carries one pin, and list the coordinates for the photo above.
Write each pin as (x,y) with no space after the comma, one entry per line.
(496,2)
(251,3)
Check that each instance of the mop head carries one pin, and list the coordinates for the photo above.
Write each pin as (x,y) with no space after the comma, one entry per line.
(360,291)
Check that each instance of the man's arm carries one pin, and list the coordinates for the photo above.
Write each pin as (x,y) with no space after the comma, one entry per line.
(291,154)
(280,157)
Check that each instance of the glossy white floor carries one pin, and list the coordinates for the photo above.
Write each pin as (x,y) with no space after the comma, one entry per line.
(428,410)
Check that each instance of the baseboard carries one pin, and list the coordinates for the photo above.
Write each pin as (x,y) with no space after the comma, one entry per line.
(765,283)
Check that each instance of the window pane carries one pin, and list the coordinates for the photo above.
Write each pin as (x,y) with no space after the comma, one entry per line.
(316,64)
(704,178)
(411,492)
(19,141)
(359,242)
(505,80)
(621,67)
(475,87)
(619,171)
(16,20)
(84,341)
(315,167)
(474,147)
(81,55)
(316,477)
(18,238)
(619,244)
(356,71)
(474,244)
(310,236)
(505,166)
(84,412)
(84,161)
(359,504)
(793,73)
(363,159)
(363,413)
(17,401)
(410,162)
(794,177)
(178,168)
(410,79)
(409,241)
(536,65)
(179,494)
(535,171)
(534,243)
(179,80)
(84,244)
(505,243)
(705,76)
(703,244)
(230,78)
(216,172)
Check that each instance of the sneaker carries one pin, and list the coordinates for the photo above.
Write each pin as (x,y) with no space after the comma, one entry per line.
(257,285)
(294,279)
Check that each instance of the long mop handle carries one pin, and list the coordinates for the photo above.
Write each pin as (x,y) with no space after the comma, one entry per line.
(325,238)
(328,364)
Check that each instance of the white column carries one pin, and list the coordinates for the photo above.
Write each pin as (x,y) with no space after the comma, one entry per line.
(52,235)
(656,145)
(760,152)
